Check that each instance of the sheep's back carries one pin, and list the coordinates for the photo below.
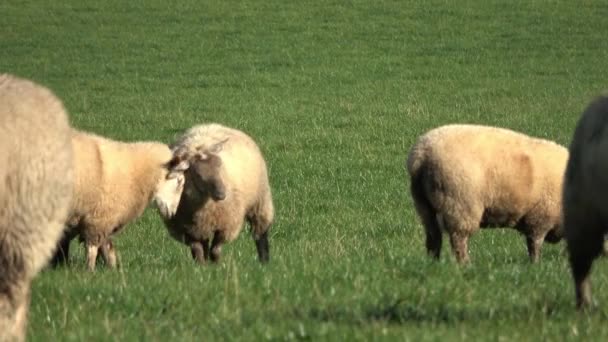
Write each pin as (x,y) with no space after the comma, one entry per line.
(118,178)
(503,168)
(245,169)
(206,135)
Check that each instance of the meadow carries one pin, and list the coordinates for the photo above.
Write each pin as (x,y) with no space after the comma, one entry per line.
(335,93)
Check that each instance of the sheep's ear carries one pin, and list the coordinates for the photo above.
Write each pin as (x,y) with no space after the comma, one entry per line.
(176,164)
(216,148)
(180,161)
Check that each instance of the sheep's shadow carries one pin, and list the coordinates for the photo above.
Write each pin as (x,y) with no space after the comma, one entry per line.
(400,312)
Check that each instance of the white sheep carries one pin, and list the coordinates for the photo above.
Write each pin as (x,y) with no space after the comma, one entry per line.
(35,192)
(464,177)
(226,183)
(114,182)
(585,199)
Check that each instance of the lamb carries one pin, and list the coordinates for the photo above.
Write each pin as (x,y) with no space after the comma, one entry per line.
(226,183)
(584,197)
(114,182)
(35,191)
(466,177)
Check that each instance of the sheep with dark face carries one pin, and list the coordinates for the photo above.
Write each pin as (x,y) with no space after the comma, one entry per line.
(585,196)
(35,191)
(226,184)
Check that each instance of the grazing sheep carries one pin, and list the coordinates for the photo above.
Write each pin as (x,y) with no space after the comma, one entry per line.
(35,192)
(585,195)
(226,182)
(464,177)
(115,181)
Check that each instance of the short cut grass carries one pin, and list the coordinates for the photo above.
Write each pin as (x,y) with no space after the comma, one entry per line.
(335,93)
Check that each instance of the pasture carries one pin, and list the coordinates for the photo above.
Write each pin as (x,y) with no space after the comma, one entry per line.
(335,93)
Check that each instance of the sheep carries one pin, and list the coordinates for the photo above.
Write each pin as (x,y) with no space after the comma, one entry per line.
(584,196)
(35,191)
(466,177)
(226,183)
(114,182)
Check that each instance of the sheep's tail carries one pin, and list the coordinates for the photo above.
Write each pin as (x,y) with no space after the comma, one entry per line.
(415,159)
(417,167)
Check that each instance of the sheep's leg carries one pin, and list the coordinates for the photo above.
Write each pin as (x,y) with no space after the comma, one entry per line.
(108,253)
(534,244)
(91,256)
(459,237)
(206,250)
(198,251)
(62,253)
(584,233)
(216,246)
(14,303)
(428,215)
(433,235)
(259,230)
(582,254)
(263,247)
(21,316)
(460,246)
(581,272)
(463,221)
(430,221)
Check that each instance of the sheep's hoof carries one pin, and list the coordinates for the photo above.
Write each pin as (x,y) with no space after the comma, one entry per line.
(215,256)
(199,261)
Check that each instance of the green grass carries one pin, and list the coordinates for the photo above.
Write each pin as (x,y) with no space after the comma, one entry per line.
(335,92)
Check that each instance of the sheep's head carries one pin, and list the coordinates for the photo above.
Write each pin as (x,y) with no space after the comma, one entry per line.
(203,169)
(205,175)
(169,190)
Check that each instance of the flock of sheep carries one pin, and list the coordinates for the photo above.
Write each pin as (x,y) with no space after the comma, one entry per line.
(60,183)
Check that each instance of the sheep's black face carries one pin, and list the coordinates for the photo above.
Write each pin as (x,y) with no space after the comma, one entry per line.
(205,174)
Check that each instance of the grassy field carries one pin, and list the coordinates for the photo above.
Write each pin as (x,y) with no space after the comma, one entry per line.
(335,92)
